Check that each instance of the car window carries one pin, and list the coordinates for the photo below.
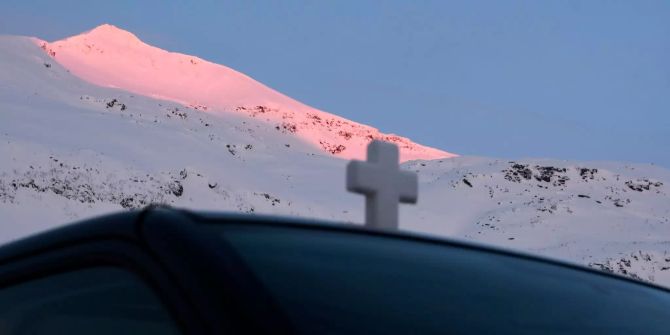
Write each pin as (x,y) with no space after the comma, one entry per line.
(347,283)
(100,301)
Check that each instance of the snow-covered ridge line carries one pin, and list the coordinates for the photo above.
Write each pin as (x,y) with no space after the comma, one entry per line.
(112,57)
(70,149)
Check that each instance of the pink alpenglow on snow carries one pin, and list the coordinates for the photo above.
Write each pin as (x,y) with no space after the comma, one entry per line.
(112,57)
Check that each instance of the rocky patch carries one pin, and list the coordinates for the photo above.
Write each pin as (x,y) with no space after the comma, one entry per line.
(632,264)
(546,174)
(114,102)
(332,148)
(86,184)
(176,112)
(642,185)
(587,174)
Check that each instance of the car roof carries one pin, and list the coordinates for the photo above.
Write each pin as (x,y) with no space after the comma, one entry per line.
(119,226)
(222,217)
(124,226)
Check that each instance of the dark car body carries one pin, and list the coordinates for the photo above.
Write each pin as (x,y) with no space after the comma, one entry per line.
(163,270)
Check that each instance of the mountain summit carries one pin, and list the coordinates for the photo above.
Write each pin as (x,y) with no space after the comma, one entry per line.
(112,57)
(109,31)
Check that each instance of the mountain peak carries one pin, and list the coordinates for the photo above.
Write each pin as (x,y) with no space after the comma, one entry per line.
(108,31)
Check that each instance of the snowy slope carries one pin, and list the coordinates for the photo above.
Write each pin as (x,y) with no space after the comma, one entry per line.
(70,149)
(112,57)
(85,149)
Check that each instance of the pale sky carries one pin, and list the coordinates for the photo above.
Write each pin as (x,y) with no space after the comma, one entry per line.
(587,80)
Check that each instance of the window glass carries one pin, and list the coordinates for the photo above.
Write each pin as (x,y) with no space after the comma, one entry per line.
(347,283)
(100,301)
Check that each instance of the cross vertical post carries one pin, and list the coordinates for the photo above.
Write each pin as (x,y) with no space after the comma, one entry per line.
(383,184)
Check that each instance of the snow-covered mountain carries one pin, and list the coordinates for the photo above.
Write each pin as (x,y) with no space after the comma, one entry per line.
(102,122)
(112,57)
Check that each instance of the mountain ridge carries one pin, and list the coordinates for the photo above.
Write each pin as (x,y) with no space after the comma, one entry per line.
(70,149)
(112,57)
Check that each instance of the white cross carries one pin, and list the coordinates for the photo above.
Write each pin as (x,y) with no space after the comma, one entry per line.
(383,184)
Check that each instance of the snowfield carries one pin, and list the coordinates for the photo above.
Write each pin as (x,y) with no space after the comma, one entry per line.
(72,146)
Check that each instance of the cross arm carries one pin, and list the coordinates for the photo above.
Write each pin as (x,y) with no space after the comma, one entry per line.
(360,177)
(408,184)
